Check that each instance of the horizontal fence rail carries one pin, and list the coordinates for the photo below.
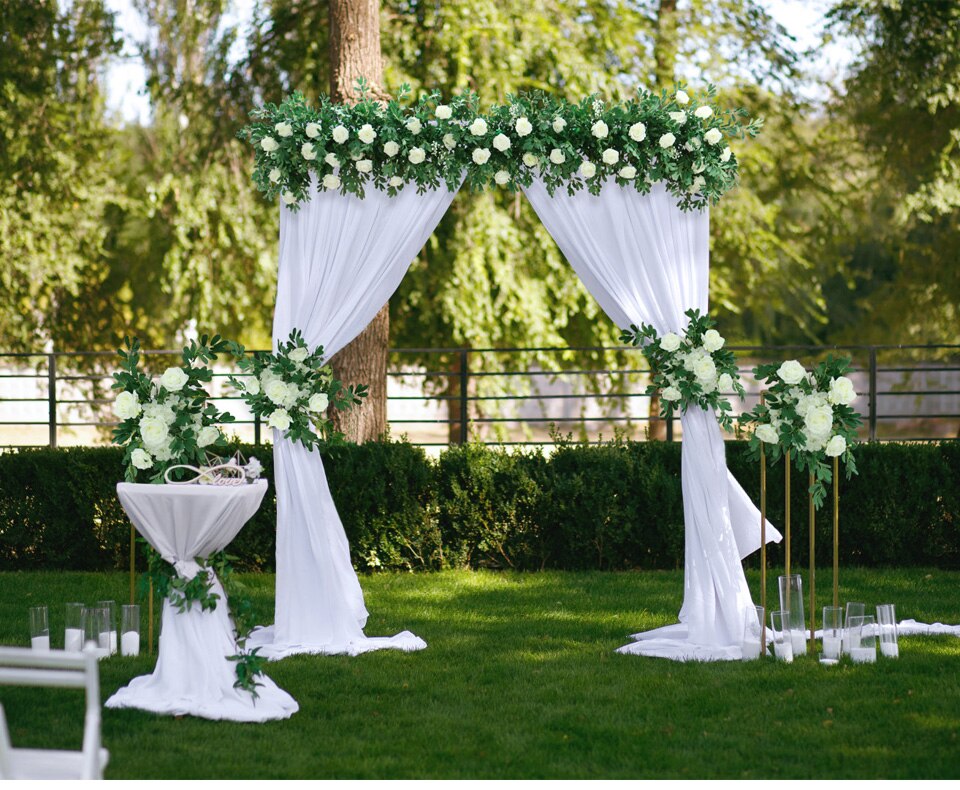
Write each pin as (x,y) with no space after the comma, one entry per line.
(508,396)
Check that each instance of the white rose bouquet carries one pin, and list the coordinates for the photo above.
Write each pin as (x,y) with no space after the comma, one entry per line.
(692,369)
(291,389)
(166,421)
(808,414)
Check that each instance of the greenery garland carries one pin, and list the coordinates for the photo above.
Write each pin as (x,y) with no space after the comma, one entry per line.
(674,137)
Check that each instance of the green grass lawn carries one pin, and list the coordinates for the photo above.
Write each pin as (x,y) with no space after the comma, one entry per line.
(521,681)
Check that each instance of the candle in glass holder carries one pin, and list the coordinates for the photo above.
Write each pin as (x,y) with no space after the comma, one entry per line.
(831,647)
(890,649)
(72,639)
(39,628)
(40,642)
(130,644)
(799,643)
(750,649)
(863,655)
(783,650)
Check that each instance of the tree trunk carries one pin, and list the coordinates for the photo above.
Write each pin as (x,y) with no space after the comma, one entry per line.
(355,53)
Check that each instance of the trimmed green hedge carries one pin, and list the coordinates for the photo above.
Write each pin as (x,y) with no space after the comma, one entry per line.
(612,506)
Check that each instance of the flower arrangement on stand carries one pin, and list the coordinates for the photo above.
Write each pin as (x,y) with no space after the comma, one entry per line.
(692,369)
(291,389)
(167,421)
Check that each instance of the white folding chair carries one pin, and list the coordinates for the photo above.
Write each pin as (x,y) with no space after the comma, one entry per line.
(55,669)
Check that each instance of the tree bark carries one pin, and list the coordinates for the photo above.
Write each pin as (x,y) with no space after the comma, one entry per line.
(355,53)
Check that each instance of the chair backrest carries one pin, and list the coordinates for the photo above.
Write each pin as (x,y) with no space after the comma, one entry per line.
(21,666)
(4,747)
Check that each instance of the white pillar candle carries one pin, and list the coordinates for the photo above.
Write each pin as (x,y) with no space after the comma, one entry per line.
(40,642)
(130,643)
(863,655)
(799,643)
(783,651)
(831,647)
(113,643)
(72,639)
(750,649)
(890,649)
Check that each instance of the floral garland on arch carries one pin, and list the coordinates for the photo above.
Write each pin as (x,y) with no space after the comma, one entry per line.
(676,137)
(689,370)
(809,415)
(291,389)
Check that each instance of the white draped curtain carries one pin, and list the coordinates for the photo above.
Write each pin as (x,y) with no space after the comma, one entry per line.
(341,257)
(646,261)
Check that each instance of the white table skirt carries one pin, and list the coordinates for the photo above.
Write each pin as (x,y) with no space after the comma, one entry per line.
(193,675)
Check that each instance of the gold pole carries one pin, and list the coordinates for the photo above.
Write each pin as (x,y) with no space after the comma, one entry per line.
(836,531)
(763,545)
(813,527)
(132,555)
(150,620)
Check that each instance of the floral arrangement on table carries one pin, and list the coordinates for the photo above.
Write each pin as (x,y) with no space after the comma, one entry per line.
(692,369)
(808,414)
(676,137)
(291,389)
(166,421)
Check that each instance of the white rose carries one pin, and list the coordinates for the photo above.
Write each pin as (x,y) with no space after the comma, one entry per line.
(395,181)
(154,431)
(478,128)
(670,342)
(280,420)
(819,421)
(269,145)
(698,183)
(705,369)
(501,177)
(530,160)
(275,175)
(284,129)
(815,444)
(638,132)
(681,97)
(207,436)
(308,152)
(127,406)
(712,340)
(391,148)
(501,142)
(836,446)
(164,452)
(725,382)
(767,433)
(628,172)
(523,127)
(331,159)
(559,124)
(599,130)
(610,157)
(331,181)
(313,130)
(725,154)
(713,136)
(449,142)
(588,169)
(557,156)
(276,390)
(340,134)
(413,125)
(173,379)
(416,155)
(699,167)
(141,459)
(667,140)
(318,402)
(298,354)
(791,372)
(364,166)
(293,395)
(481,155)
(367,134)
(288,197)
(251,385)
(160,411)
(671,394)
(443,112)
(679,118)
(842,391)
(703,112)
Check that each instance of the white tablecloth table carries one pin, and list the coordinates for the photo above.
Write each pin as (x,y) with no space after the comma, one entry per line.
(193,676)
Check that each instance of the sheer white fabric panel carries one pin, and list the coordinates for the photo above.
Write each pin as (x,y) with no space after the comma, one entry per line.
(646,261)
(341,257)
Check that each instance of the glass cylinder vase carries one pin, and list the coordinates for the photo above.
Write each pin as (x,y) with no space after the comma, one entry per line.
(791,601)
(887,625)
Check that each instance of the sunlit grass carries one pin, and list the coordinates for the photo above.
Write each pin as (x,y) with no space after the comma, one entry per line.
(521,680)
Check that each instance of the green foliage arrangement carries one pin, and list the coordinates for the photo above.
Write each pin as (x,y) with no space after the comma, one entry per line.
(167,421)
(689,370)
(673,137)
(291,389)
(809,415)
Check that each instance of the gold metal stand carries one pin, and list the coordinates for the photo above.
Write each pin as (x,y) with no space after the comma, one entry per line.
(813,527)
(132,556)
(836,531)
